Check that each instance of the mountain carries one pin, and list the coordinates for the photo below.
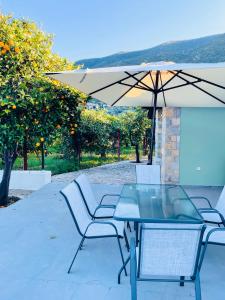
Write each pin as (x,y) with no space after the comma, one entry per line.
(205,49)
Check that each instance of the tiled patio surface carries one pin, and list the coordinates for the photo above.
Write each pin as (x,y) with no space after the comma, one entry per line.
(38,239)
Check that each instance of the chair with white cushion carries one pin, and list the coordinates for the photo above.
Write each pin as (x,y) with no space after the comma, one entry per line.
(213,236)
(148,174)
(87,228)
(167,252)
(96,210)
(213,215)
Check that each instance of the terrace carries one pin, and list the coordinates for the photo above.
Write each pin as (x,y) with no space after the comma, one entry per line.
(38,239)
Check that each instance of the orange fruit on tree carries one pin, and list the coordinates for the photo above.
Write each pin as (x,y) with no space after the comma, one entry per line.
(17,50)
(42,139)
(14,106)
(37,144)
(6,47)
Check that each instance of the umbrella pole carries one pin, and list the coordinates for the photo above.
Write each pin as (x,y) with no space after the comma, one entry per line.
(152,137)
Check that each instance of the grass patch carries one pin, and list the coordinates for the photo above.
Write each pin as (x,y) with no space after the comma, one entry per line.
(57,164)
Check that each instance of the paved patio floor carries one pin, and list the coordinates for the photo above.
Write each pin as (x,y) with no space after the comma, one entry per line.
(38,240)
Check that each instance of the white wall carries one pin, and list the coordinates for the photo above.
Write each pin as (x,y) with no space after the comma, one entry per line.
(28,180)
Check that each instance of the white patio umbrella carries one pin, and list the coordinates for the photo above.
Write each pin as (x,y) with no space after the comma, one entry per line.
(152,85)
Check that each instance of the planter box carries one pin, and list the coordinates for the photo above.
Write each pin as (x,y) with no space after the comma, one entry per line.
(28,180)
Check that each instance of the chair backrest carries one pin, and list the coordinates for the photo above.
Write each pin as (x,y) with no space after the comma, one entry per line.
(87,193)
(76,206)
(148,174)
(220,206)
(170,249)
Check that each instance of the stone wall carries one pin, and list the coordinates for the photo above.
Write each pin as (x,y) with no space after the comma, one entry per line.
(168,143)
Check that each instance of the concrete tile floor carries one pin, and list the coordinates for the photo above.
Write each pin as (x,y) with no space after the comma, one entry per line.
(38,240)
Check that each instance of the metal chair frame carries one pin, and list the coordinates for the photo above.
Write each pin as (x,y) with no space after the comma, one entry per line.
(84,236)
(100,204)
(135,267)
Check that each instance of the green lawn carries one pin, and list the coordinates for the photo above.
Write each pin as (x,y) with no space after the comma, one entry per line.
(57,164)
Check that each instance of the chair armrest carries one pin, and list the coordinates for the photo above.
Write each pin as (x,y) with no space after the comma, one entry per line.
(108,195)
(101,223)
(212,211)
(104,206)
(213,230)
(201,198)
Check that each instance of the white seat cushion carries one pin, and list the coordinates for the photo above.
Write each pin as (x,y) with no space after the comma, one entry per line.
(216,237)
(105,212)
(105,229)
(211,217)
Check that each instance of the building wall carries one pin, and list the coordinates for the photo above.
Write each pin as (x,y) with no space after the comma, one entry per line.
(202,146)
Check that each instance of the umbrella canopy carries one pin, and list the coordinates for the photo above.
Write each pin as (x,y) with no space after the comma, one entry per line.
(179,85)
(152,85)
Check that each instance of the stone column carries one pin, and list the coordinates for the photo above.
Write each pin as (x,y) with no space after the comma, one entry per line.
(168,144)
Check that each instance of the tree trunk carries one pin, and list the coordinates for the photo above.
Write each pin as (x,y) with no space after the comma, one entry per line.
(77,148)
(42,156)
(118,150)
(9,159)
(25,160)
(137,153)
(145,146)
(103,154)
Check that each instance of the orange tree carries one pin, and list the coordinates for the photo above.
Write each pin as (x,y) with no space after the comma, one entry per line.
(31,105)
(136,123)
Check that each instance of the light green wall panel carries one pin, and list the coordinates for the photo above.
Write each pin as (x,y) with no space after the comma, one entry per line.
(202,146)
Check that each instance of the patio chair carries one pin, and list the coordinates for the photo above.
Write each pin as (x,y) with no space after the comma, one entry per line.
(95,210)
(148,174)
(213,215)
(167,253)
(212,236)
(86,227)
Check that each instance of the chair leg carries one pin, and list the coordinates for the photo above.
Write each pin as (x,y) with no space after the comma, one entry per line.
(122,268)
(121,253)
(79,247)
(128,226)
(198,288)
(126,240)
(136,228)
(182,280)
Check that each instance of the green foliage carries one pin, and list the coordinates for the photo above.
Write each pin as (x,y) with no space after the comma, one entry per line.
(98,131)
(136,124)
(95,130)
(31,105)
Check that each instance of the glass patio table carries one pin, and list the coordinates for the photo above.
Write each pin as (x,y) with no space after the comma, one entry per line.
(156,203)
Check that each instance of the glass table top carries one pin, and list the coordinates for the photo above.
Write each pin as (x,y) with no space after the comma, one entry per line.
(156,203)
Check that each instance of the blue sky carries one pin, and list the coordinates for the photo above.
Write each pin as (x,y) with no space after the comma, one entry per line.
(92,28)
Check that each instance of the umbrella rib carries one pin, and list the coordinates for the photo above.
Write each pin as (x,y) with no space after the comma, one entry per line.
(164,98)
(203,80)
(128,90)
(135,87)
(180,85)
(133,76)
(201,89)
(111,84)
(153,83)
(168,81)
